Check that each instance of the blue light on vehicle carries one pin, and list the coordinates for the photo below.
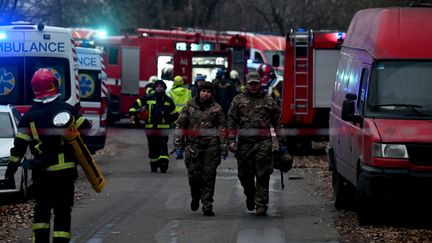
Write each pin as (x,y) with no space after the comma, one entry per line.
(340,36)
(300,30)
(101,34)
(2,35)
(206,47)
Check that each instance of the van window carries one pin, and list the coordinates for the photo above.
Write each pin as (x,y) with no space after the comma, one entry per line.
(401,89)
(90,85)
(362,91)
(113,55)
(16,74)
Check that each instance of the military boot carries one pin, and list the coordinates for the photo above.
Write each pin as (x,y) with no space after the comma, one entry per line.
(261,211)
(194,204)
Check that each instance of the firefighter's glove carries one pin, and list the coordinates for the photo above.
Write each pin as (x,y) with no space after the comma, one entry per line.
(233,147)
(224,154)
(283,149)
(133,119)
(179,153)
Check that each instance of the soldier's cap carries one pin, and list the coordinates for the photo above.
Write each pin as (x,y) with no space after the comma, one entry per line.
(160,82)
(207,86)
(253,77)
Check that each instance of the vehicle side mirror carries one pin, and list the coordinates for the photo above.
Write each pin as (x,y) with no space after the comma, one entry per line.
(348,109)
(275,60)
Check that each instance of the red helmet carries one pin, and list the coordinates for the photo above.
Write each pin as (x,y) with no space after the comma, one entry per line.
(44,83)
(266,72)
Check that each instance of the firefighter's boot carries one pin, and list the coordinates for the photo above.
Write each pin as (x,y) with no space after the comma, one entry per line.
(41,235)
(154,165)
(261,211)
(163,165)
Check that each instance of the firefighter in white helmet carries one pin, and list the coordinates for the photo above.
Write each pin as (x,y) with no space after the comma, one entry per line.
(150,85)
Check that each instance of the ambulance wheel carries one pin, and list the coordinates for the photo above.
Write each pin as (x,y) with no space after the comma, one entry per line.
(23,192)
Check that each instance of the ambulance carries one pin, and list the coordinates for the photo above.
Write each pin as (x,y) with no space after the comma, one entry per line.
(26,47)
(93,95)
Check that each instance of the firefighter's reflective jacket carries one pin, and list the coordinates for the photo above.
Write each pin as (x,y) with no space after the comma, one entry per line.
(160,109)
(180,96)
(51,152)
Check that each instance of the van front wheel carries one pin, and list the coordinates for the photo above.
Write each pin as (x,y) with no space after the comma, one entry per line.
(343,191)
(366,210)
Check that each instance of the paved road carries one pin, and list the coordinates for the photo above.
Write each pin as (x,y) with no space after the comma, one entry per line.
(139,206)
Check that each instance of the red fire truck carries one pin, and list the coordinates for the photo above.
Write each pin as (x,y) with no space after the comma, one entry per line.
(131,59)
(311,59)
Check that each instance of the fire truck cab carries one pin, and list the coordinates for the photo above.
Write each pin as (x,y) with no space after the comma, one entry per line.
(93,94)
(24,48)
(208,56)
(130,60)
(311,60)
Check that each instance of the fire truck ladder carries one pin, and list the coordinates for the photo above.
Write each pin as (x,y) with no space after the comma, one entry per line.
(301,41)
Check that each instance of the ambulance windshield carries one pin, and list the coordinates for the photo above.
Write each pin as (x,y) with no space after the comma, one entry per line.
(16,73)
(6,126)
(90,85)
(401,89)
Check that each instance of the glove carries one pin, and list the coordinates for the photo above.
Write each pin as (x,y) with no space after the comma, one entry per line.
(224,154)
(283,149)
(233,147)
(179,153)
(132,119)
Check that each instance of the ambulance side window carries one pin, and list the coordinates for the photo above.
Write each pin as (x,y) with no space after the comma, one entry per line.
(362,91)
(113,55)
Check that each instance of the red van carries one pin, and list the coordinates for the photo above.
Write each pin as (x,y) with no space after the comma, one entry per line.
(380,122)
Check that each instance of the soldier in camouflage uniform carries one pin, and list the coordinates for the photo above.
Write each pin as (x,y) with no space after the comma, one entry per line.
(250,117)
(200,130)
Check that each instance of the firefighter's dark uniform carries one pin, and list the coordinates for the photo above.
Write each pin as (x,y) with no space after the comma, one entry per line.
(53,170)
(159,107)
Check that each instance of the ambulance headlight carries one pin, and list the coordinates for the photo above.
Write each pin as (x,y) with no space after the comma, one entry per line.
(3,36)
(383,150)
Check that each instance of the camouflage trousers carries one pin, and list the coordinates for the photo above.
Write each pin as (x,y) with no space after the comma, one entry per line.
(254,161)
(201,164)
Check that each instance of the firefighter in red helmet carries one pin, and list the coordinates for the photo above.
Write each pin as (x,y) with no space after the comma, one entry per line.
(53,167)
(267,74)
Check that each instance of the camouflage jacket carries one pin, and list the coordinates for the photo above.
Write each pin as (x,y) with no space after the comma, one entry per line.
(251,117)
(203,126)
